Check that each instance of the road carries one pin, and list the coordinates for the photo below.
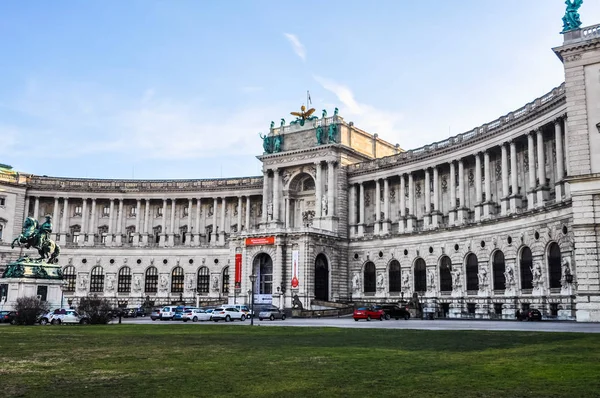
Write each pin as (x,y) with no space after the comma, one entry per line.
(443,324)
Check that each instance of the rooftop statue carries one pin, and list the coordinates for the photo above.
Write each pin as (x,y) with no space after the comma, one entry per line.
(571,19)
(267,145)
(303,115)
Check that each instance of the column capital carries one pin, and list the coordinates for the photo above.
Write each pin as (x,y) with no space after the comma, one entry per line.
(559,119)
(275,170)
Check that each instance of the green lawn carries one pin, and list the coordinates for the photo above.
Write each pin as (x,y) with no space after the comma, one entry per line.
(211,360)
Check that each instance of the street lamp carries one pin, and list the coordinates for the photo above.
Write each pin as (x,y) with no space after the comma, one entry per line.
(252,281)
(63,286)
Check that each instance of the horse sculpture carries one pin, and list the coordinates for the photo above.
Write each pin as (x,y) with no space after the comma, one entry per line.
(37,236)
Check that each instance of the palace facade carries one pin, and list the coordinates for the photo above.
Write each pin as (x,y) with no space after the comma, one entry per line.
(500,218)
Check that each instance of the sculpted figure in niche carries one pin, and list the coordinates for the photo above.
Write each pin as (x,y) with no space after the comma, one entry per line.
(110,283)
(215,283)
(137,283)
(164,282)
(380,280)
(482,277)
(456,278)
(431,280)
(405,281)
(324,204)
(190,282)
(536,272)
(355,282)
(509,276)
(566,271)
(83,282)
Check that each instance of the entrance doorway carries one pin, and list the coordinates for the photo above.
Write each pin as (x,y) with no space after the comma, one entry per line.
(321,278)
(262,267)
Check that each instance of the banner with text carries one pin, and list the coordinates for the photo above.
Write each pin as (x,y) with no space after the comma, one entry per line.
(238,271)
(267,240)
(295,257)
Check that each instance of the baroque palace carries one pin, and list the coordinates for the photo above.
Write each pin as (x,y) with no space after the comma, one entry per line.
(500,218)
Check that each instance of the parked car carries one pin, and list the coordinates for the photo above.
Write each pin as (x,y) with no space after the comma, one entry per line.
(179,311)
(69,316)
(167,313)
(243,308)
(529,315)
(197,314)
(368,313)
(4,316)
(271,314)
(46,318)
(228,313)
(134,312)
(155,314)
(394,311)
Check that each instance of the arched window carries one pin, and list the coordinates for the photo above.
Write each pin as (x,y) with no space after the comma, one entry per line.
(526,264)
(177,277)
(554,260)
(369,277)
(1,231)
(151,282)
(97,280)
(266,275)
(498,269)
(124,281)
(445,274)
(70,278)
(472,271)
(420,274)
(225,280)
(203,283)
(395,277)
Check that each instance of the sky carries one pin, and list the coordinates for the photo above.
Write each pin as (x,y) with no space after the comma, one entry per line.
(181,89)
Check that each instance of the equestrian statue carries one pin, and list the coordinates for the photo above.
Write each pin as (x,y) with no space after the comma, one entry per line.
(38,236)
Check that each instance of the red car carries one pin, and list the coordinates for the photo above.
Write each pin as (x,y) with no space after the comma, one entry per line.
(368,313)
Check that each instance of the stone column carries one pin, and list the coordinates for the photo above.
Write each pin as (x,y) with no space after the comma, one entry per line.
(427,200)
(330,188)
(222,229)
(197,232)
(376,225)
(120,223)
(410,218)
(287,212)
(505,194)
(318,191)
(531,161)
(138,216)
(543,191)
(452,195)
(386,207)
(55,220)
(213,238)
(171,232)
(488,204)
(84,221)
(188,238)
(560,164)
(248,207)
(515,197)
(402,219)
(462,211)
(352,210)
(265,198)
(478,197)
(36,208)
(146,222)
(92,230)
(239,215)
(276,196)
(164,223)
(361,211)
(64,228)
(436,216)
(26,213)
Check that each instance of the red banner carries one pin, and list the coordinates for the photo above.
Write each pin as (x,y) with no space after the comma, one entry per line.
(238,271)
(268,240)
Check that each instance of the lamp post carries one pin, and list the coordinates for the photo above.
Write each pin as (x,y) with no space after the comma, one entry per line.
(252,281)
(64,285)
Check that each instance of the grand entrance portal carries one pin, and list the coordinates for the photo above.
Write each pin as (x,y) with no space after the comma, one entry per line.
(321,278)
(262,267)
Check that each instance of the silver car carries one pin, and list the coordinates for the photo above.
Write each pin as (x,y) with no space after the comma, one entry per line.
(271,314)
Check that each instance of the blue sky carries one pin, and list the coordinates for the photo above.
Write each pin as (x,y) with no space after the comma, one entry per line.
(181,89)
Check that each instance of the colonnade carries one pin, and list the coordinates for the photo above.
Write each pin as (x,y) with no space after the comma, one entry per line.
(481,204)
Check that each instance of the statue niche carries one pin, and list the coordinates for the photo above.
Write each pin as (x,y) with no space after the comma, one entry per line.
(301,191)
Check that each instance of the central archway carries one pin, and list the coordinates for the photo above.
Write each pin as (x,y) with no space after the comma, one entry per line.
(321,278)
(262,267)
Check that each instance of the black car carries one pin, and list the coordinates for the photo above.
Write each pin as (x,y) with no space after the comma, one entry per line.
(394,311)
(529,315)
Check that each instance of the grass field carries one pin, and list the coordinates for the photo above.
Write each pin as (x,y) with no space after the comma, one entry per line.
(209,360)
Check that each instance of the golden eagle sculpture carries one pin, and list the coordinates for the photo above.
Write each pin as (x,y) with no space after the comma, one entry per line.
(303,114)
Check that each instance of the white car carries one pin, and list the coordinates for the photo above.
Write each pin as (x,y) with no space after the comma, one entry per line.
(229,313)
(196,314)
(69,316)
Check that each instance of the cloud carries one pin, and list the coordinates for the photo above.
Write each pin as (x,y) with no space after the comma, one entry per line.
(296,45)
(366,117)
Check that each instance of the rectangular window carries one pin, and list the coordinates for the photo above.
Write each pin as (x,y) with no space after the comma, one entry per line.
(1,230)
(133,211)
(75,237)
(105,211)
(103,238)
(186,211)
(2,201)
(159,211)
(78,211)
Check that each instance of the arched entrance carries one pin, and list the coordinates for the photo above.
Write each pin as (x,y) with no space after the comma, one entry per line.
(262,267)
(321,278)
(301,194)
